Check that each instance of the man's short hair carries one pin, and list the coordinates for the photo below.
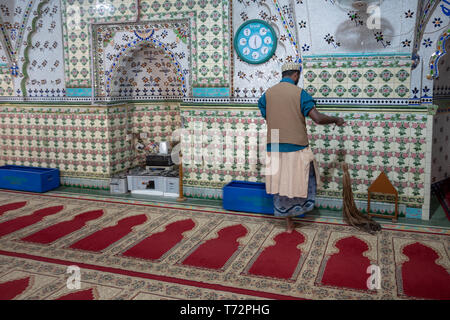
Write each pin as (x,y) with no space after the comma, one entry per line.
(289,73)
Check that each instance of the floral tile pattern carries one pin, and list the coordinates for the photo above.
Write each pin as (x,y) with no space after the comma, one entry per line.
(6,83)
(81,140)
(370,143)
(76,16)
(368,76)
(210,39)
(72,139)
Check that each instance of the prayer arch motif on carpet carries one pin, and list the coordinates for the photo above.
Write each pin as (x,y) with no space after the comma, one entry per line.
(109,235)
(346,261)
(11,206)
(15,224)
(59,230)
(220,247)
(162,239)
(159,244)
(282,255)
(18,283)
(114,232)
(44,226)
(422,270)
(14,288)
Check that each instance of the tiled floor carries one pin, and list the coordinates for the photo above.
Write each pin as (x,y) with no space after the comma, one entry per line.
(438,217)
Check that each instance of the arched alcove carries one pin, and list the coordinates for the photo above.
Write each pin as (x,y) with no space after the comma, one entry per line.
(441,84)
(441,122)
(146,70)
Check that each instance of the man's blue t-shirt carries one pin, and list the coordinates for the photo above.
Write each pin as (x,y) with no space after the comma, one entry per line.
(307,103)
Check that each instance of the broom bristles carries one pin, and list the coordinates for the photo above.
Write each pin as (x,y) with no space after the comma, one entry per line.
(351,213)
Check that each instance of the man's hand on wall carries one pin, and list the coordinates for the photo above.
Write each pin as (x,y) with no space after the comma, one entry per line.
(340,122)
(323,119)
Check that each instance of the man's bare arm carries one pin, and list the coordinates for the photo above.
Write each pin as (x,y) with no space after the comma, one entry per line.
(321,118)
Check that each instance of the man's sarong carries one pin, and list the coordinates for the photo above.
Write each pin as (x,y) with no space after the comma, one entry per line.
(293,178)
(291,207)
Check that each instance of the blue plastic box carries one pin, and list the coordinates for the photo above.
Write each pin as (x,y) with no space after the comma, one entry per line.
(28,178)
(247,197)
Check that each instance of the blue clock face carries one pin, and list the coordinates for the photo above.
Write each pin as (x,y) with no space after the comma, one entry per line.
(255,41)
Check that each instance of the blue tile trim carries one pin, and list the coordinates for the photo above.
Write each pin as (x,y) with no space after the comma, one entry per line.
(211,92)
(415,213)
(78,92)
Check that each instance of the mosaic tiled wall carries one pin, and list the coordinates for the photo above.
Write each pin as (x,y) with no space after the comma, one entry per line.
(83,142)
(157,76)
(251,80)
(348,30)
(441,87)
(438,73)
(441,145)
(54,60)
(210,35)
(394,142)
(6,83)
(156,121)
(358,77)
(76,16)
(73,139)
(211,64)
(44,61)
(149,59)
(406,27)
(302,32)
(52,37)
(429,11)
(33,40)
(432,26)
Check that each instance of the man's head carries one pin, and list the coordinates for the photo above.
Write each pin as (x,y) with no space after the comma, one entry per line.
(292,71)
(294,75)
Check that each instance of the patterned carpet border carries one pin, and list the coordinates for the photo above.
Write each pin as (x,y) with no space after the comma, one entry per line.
(144,275)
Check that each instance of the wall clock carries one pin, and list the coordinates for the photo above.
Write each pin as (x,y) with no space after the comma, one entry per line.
(255,41)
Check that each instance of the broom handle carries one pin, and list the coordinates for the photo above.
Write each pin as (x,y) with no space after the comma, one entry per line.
(180,182)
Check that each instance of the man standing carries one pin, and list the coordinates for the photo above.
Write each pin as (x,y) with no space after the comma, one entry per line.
(291,170)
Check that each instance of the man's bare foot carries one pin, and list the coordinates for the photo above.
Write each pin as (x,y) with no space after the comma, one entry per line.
(290,226)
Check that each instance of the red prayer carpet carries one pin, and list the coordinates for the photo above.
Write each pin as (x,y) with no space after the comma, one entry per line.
(142,250)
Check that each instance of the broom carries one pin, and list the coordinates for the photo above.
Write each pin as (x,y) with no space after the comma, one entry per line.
(351,213)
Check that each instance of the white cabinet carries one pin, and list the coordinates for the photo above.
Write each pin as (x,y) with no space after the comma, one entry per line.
(154,185)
